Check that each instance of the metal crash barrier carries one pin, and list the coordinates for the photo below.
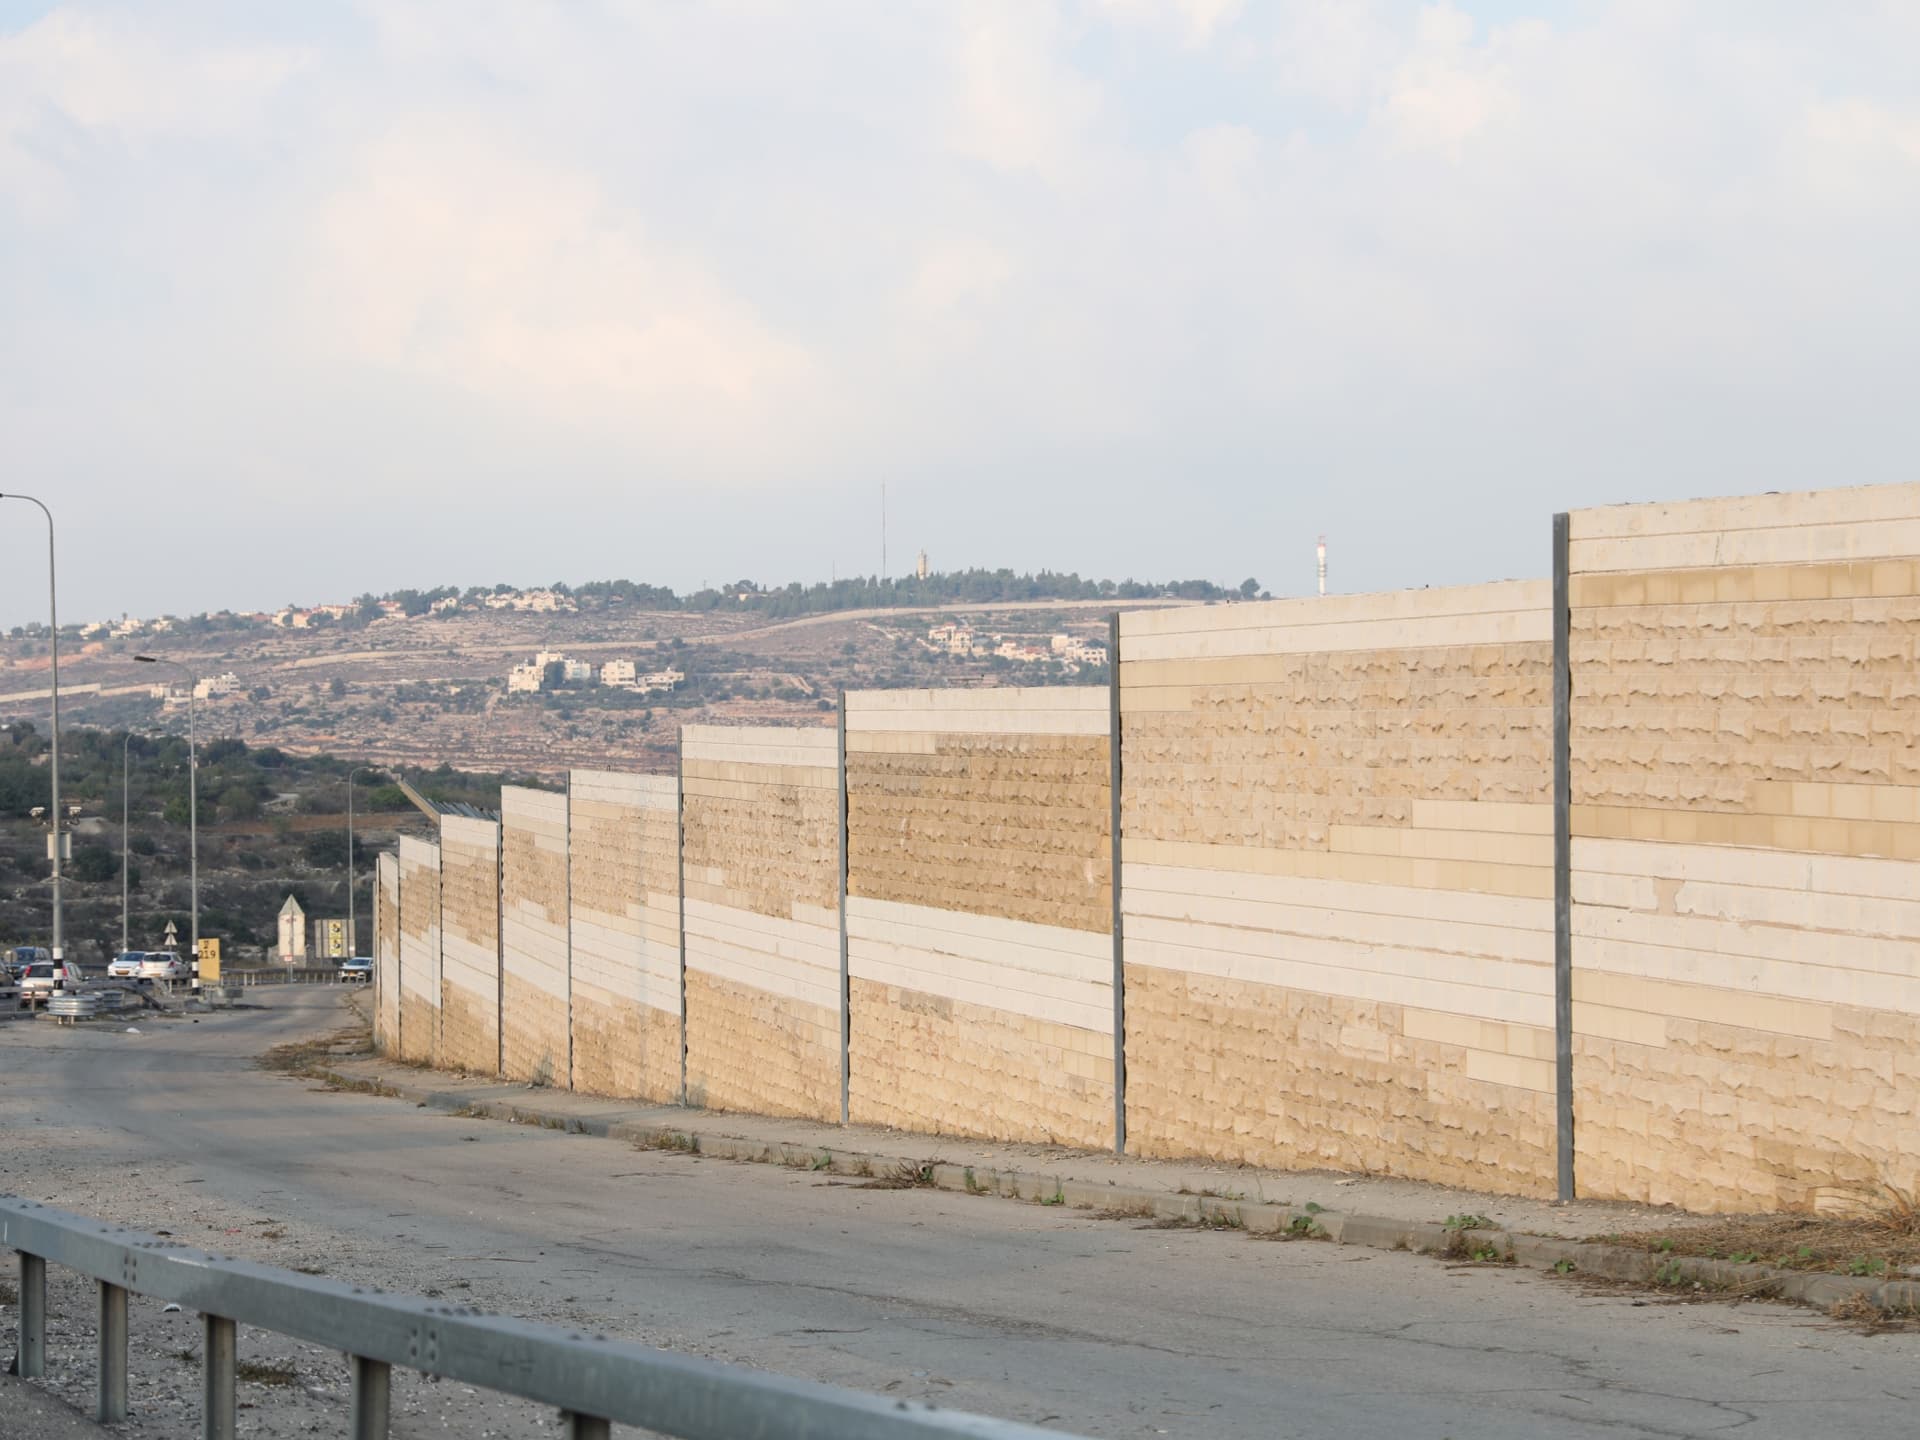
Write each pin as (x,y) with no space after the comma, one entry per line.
(593,1381)
(287,975)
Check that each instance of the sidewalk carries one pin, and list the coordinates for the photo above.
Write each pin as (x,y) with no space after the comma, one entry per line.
(1091,1176)
(1374,1211)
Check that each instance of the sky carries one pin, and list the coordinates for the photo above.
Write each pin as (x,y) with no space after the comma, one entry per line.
(303,301)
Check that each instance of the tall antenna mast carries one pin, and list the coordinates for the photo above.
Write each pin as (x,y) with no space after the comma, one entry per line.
(1321,551)
(883,530)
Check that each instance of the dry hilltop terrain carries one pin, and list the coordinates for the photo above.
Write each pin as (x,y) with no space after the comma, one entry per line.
(372,681)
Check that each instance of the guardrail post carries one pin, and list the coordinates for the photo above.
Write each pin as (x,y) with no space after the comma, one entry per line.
(33,1316)
(113,1353)
(585,1427)
(372,1398)
(218,1379)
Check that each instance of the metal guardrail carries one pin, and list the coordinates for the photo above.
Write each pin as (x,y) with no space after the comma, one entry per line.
(592,1380)
(283,975)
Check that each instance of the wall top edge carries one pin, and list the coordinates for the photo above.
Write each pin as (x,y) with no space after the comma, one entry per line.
(517,802)
(466,830)
(1036,698)
(414,851)
(1851,504)
(1433,602)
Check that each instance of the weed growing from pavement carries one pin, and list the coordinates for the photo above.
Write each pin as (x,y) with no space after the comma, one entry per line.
(822,1161)
(1059,1196)
(905,1175)
(683,1141)
(1468,1222)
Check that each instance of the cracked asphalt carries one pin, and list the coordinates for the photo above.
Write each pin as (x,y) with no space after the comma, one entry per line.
(1043,1314)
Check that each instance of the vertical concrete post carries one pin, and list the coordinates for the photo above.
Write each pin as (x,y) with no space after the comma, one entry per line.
(31,1361)
(680,884)
(566,840)
(112,1342)
(218,1377)
(1562,863)
(846,995)
(1114,777)
(500,947)
(371,1404)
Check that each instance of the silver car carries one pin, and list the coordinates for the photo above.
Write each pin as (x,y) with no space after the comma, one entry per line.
(162,965)
(46,979)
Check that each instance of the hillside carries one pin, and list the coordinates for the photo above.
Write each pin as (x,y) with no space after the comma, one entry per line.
(401,680)
(271,824)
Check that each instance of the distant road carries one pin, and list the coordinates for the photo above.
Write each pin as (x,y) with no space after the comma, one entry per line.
(1103,1327)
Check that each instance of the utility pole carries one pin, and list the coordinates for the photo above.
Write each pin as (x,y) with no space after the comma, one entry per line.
(53,620)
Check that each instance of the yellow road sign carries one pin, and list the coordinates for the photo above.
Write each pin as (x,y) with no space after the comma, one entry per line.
(209,960)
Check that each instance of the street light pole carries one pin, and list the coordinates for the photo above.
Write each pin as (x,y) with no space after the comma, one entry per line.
(353,929)
(53,619)
(193,803)
(126,838)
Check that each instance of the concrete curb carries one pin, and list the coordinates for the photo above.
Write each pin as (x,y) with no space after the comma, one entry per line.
(1678,1273)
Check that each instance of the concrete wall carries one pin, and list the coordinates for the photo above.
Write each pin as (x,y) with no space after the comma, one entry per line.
(761,821)
(419,1026)
(979,912)
(1746,854)
(470,944)
(1337,885)
(386,953)
(624,849)
(535,966)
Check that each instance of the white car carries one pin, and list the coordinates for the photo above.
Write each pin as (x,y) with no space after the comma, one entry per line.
(43,980)
(162,965)
(126,965)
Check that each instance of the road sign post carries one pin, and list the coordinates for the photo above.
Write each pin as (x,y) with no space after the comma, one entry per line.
(209,961)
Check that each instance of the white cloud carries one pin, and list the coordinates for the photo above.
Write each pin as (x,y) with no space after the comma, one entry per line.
(1014,104)
(1197,22)
(453,256)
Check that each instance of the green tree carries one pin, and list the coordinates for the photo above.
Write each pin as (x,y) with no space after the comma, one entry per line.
(94,863)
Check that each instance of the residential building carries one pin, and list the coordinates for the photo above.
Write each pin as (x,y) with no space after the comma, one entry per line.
(617,672)
(525,679)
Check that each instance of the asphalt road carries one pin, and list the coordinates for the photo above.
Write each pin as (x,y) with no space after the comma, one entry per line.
(1042,1314)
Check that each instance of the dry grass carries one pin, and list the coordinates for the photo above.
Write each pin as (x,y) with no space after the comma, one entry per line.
(1880,1242)
(905,1175)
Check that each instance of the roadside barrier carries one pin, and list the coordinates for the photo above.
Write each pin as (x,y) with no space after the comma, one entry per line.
(595,1382)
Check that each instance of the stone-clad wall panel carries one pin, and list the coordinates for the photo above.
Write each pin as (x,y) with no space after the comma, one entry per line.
(1337,838)
(386,953)
(534,959)
(760,812)
(470,944)
(419,950)
(625,894)
(979,914)
(1746,819)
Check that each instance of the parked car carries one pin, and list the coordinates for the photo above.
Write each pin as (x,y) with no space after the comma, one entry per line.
(125,965)
(45,979)
(21,956)
(163,965)
(358,970)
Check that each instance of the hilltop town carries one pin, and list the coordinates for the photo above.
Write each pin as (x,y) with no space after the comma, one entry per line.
(539,679)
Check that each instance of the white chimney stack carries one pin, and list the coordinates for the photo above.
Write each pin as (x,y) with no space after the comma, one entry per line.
(1321,550)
